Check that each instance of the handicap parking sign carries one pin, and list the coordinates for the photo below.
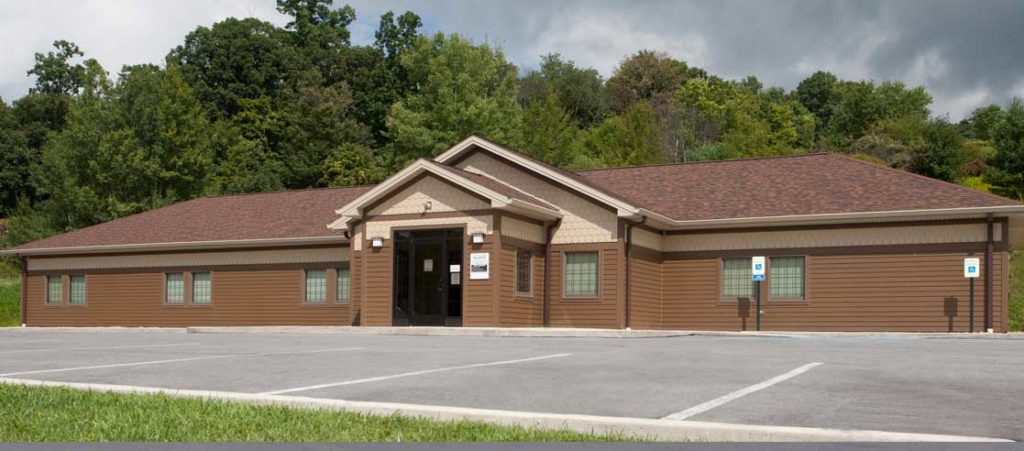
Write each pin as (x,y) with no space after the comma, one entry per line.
(757,268)
(971,266)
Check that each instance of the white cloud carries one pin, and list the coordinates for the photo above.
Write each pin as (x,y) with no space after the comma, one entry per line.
(960,105)
(115,32)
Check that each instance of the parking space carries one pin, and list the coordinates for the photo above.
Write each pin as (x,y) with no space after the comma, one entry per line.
(941,386)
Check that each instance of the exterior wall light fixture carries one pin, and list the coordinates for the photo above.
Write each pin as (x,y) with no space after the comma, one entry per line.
(478,238)
(377,242)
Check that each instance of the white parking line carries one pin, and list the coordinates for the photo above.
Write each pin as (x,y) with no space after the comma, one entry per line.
(157,362)
(701,408)
(413,373)
(92,348)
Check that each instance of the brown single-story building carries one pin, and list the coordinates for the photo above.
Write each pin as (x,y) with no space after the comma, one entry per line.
(483,235)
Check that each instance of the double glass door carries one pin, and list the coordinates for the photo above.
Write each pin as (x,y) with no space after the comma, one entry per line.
(428,278)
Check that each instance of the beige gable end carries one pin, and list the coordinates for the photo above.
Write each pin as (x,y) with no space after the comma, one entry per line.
(583,222)
(442,197)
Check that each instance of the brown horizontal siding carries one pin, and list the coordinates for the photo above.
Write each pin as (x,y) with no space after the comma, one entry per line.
(646,289)
(919,292)
(516,310)
(377,304)
(478,296)
(604,311)
(253,297)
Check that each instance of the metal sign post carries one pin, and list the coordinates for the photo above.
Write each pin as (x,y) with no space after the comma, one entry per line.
(971,272)
(757,275)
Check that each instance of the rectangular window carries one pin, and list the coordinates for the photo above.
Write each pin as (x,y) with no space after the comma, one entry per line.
(316,286)
(77,295)
(736,278)
(174,291)
(344,284)
(786,277)
(524,272)
(54,290)
(581,274)
(201,288)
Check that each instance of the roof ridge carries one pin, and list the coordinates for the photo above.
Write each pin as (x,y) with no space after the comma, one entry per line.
(682,163)
(283,191)
(932,179)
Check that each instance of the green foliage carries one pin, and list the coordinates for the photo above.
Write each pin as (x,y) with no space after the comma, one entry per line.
(549,132)
(629,139)
(940,154)
(15,157)
(64,415)
(10,300)
(462,89)
(1016,320)
(55,74)
(579,91)
(644,76)
(1006,168)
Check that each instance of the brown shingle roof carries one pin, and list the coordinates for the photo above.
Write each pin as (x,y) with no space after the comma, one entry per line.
(781,186)
(286,214)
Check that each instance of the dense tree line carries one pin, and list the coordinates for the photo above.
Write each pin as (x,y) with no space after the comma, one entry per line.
(246,106)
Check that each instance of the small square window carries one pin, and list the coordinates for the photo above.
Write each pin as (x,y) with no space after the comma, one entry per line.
(581,274)
(201,288)
(737,278)
(175,288)
(786,277)
(316,286)
(77,294)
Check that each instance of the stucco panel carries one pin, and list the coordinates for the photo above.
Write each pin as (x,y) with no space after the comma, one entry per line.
(523,230)
(583,222)
(472,224)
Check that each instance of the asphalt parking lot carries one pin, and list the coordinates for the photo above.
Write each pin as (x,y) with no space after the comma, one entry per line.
(900,384)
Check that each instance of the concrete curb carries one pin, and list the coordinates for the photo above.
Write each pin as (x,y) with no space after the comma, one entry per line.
(656,429)
(29,330)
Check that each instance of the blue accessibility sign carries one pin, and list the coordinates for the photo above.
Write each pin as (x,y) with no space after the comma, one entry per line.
(758,278)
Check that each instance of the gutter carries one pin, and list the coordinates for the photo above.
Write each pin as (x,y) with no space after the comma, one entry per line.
(24,291)
(629,271)
(184,245)
(548,236)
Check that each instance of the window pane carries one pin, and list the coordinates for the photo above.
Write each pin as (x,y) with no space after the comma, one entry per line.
(77,290)
(524,276)
(581,274)
(201,288)
(787,277)
(736,278)
(344,283)
(53,290)
(175,288)
(316,286)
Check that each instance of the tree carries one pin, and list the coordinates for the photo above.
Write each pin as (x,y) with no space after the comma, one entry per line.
(235,60)
(983,122)
(1006,168)
(861,104)
(320,34)
(817,93)
(54,72)
(629,139)
(644,76)
(15,157)
(549,132)
(462,89)
(941,154)
(580,91)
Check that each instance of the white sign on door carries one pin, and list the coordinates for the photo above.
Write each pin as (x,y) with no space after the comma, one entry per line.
(479,265)
(971,267)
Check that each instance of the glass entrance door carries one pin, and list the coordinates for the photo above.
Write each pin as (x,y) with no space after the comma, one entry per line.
(428,278)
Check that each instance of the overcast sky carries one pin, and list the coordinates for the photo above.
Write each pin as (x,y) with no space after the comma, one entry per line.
(967,53)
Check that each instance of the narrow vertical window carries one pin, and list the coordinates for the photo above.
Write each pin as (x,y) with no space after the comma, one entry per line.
(54,290)
(344,284)
(201,288)
(174,290)
(736,278)
(524,272)
(581,274)
(316,286)
(77,294)
(786,277)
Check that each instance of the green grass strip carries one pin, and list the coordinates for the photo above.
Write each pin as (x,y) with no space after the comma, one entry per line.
(33,414)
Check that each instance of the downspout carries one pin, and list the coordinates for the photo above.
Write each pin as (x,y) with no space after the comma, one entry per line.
(989,250)
(629,270)
(548,235)
(24,291)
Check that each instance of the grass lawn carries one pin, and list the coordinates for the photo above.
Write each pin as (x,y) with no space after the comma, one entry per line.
(60,414)
(10,302)
(1017,291)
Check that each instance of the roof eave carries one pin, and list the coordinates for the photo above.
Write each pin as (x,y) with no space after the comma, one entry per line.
(176,246)
(766,221)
